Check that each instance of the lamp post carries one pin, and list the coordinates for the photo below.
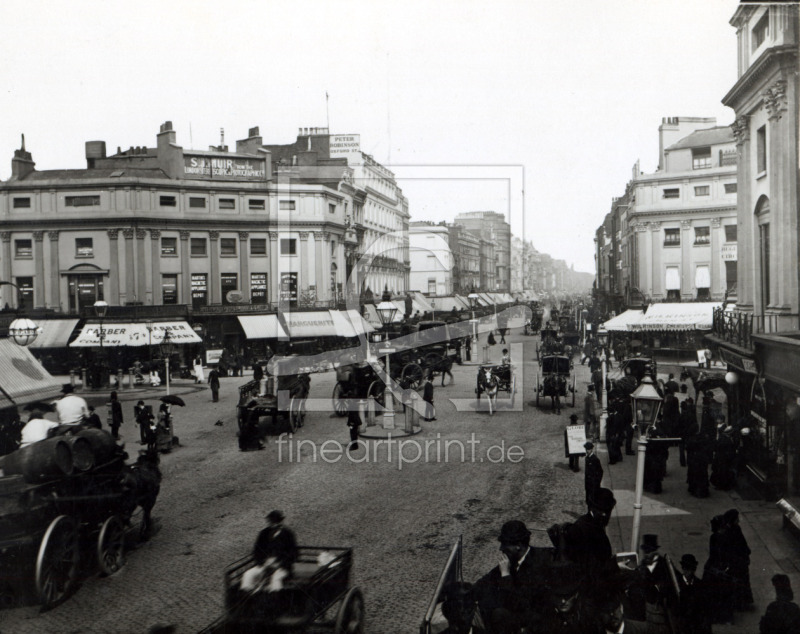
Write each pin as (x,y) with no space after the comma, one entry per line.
(473,301)
(149,325)
(100,309)
(166,351)
(386,311)
(433,309)
(22,330)
(646,405)
(602,339)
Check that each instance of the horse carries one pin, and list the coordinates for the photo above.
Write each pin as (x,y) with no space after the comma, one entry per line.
(554,386)
(142,482)
(487,382)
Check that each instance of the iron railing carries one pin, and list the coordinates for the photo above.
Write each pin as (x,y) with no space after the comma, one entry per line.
(734,327)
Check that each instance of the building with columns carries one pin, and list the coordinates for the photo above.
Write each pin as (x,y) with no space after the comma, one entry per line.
(492,226)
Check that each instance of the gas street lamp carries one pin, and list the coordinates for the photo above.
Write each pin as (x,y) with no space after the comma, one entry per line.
(386,311)
(602,339)
(100,309)
(646,406)
(166,351)
(473,302)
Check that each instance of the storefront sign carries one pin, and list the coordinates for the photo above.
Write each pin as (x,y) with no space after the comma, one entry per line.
(575,438)
(347,145)
(213,356)
(289,287)
(730,252)
(738,361)
(224,167)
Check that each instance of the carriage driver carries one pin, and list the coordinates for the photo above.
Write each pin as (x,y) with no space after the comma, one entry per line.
(274,553)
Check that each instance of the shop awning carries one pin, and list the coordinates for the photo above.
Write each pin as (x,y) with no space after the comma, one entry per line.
(261,326)
(134,334)
(311,324)
(447,304)
(423,302)
(22,377)
(350,323)
(55,333)
(678,316)
(374,320)
(624,322)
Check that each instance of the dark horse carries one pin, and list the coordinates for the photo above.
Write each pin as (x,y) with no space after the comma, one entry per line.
(555,386)
(142,483)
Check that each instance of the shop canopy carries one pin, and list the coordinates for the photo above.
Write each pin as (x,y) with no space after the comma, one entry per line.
(624,322)
(350,323)
(446,304)
(485,299)
(678,316)
(22,377)
(55,333)
(373,319)
(261,326)
(134,334)
(423,302)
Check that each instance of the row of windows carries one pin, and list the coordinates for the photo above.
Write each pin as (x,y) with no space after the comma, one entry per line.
(84,247)
(702,235)
(699,190)
(195,202)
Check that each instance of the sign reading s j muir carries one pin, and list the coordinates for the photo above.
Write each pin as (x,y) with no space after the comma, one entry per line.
(224,167)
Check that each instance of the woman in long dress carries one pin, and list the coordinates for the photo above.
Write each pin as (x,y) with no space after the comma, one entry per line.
(199,377)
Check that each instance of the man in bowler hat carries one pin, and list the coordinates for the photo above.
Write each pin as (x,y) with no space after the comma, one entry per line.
(586,541)
(274,553)
(782,615)
(594,472)
(692,614)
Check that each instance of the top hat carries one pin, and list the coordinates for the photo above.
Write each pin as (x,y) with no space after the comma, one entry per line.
(573,417)
(514,531)
(730,515)
(67,388)
(563,579)
(275,516)
(604,500)
(649,543)
(689,561)
(781,583)
(588,445)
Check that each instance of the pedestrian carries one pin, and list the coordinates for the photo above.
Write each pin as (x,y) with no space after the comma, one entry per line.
(506,358)
(93,420)
(258,371)
(37,428)
(652,588)
(138,419)
(274,555)
(685,430)
(354,423)
(213,383)
(564,607)
(594,472)
(71,408)
(198,370)
(655,460)
(427,396)
(671,413)
(738,554)
(586,542)
(692,610)
(589,417)
(698,457)
(723,476)
(782,615)
(716,577)
(611,616)
(116,417)
(586,353)
(574,458)
(672,384)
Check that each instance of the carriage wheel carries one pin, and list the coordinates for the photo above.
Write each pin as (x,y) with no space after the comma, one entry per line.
(57,561)
(303,411)
(377,391)
(339,402)
(294,414)
(111,545)
(573,391)
(412,376)
(350,617)
(240,417)
(513,388)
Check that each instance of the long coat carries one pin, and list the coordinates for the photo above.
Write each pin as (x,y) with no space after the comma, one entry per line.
(593,476)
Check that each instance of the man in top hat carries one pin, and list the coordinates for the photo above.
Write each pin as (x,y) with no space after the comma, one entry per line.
(594,472)
(586,541)
(652,587)
(274,553)
(71,408)
(782,615)
(512,594)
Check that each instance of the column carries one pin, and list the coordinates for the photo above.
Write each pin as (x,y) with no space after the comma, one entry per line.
(274,269)
(747,237)
(687,272)
(140,268)
(244,264)
(656,275)
(326,262)
(55,271)
(716,290)
(302,271)
(213,275)
(38,282)
(112,292)
(340,265)
(186,271)
(322,287)
(130,267)
(10,294)
(155,265)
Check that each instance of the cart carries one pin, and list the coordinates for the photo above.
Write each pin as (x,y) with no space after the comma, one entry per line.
(318,594)
(283,400)
(556,380)
(493,379)
(549,343)
(353,383)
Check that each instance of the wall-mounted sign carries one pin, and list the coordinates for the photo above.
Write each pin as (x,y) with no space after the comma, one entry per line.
(730,252)
(347,145)
(224,168)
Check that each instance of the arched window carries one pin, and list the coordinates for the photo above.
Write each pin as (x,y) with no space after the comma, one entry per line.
(762,219)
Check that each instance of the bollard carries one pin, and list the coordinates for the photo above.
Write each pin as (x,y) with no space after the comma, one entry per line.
(486,354)
(72,379)
(131,380)
(412,417)
(370,412)
(83,378)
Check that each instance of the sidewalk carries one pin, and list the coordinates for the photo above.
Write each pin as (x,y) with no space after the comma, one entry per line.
(682,523)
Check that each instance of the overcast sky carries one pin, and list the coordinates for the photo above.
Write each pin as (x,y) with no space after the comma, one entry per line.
(465,100)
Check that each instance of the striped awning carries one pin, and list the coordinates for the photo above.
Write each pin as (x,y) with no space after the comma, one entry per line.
(678,316)
(134,334)
(22,377)
(624,321)
(55,333)
(261,326)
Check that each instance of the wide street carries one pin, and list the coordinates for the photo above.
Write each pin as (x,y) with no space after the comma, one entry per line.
(400,518)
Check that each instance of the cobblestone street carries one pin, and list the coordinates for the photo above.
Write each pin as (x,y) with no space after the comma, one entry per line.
(401,520)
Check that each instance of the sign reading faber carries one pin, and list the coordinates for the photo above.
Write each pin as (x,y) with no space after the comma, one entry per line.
(224,167)
(347,145)
(135,334)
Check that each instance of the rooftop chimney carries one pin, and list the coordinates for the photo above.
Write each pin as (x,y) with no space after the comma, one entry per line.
(22,164)
(94,150)
(166,134)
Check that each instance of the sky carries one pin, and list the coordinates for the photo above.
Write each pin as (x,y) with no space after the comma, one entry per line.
(535,109)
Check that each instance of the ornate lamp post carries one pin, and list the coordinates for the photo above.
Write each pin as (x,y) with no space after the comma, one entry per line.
(100,309)
(602,339)
(473,302)
(149,325)
(166,351)
(386,311)
(646,406)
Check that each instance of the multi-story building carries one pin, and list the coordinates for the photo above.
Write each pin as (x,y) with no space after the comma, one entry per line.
(491,223)
(516,265)
(432,262)
(488,270)
(466,250)
(759,338)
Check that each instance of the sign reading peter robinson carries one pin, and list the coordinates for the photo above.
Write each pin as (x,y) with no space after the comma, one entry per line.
(347,145)
(224,168)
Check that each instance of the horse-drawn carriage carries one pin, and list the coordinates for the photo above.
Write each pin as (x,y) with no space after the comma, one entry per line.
(66,504)
(555,381)
(356,382)
(318,595)
(549,343)
(493,379)
(535,323)
(281,398)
